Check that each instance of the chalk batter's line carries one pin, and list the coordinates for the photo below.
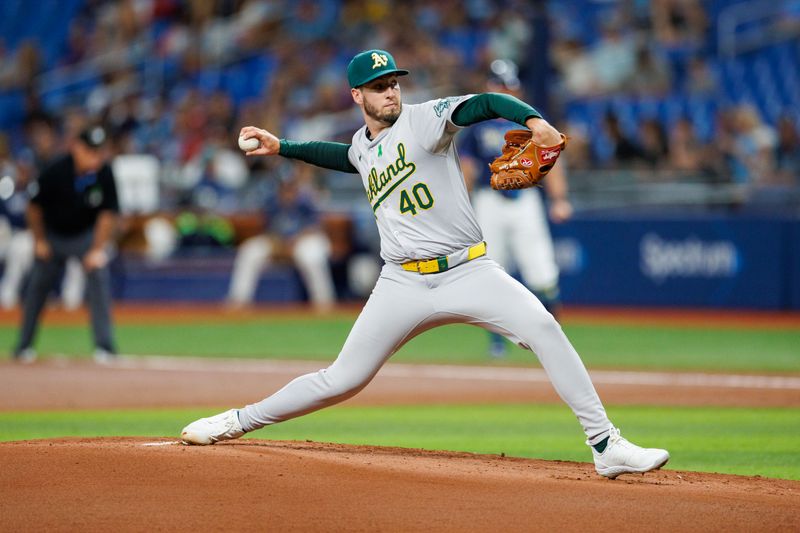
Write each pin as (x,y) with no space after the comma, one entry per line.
(467,373)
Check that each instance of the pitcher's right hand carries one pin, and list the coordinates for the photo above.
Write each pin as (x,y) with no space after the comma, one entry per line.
(270,145)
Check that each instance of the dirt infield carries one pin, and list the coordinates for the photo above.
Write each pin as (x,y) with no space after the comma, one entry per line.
(156,484)
(132,484)
(138,484)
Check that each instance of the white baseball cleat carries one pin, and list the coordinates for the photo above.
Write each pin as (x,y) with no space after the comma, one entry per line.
(624,457)
(224,426)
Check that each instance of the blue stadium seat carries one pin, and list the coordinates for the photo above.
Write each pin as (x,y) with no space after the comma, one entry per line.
(245,80)
(12,108)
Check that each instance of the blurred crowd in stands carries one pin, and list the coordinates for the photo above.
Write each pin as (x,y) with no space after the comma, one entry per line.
(176,79)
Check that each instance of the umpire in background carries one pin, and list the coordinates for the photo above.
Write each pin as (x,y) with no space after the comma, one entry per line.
(72,212)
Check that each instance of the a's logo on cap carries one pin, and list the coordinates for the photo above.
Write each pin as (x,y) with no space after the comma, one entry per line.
(380,60)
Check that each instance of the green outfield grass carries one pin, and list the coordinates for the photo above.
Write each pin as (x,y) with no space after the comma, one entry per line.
(600,346)
(731,440)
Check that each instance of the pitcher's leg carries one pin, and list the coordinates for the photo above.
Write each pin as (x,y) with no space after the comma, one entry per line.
(497,301)
(390,318)
(98,294)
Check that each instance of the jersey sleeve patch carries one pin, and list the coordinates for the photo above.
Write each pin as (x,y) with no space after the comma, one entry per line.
(444,104)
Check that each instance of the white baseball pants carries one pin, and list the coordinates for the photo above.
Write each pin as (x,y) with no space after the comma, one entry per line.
(516,231)
(405,304)
(311,253)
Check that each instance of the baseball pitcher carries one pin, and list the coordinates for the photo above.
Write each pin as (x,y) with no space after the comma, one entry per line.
(436,270)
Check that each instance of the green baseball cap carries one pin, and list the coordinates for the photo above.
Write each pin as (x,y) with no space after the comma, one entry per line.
(371,64)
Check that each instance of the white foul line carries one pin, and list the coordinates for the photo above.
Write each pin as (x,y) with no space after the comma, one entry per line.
(467,373)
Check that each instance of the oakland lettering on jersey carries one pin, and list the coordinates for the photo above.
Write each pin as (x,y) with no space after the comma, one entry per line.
(401,168)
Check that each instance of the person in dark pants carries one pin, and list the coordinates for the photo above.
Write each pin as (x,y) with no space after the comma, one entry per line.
(72,213)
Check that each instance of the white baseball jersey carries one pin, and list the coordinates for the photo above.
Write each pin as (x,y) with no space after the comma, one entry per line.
(414,183)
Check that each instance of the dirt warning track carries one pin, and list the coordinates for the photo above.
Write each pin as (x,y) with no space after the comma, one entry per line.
(145,382)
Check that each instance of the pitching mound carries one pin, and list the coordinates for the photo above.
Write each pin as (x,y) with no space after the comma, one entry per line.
(142,484)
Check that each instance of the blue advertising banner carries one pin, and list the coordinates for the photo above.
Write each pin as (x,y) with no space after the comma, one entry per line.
(698,262)
(793,264)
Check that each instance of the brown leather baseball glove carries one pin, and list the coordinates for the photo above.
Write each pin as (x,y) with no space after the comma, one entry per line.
(523,164)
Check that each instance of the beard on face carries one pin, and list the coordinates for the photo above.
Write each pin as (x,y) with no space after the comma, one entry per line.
(386,116)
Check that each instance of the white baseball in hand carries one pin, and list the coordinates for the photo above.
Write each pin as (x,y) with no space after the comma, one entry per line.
(248,145)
